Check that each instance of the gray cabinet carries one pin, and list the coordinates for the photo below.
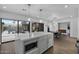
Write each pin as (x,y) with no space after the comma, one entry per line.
(50,40)
(43,44)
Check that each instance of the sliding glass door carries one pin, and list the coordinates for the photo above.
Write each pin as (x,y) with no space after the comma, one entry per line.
(37,27)
(0,31)
(24,26)
(24,29)
(9,30)
(12,28)
(0,34)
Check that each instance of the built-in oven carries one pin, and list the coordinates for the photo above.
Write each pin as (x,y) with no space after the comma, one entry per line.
(31,47)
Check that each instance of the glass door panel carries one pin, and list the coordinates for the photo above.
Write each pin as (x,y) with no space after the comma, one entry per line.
(0,35)
(24,28)
(9,30)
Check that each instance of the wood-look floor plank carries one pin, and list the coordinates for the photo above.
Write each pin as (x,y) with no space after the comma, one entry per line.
(63,45)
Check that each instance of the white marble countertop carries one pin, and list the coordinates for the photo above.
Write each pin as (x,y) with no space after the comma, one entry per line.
(31,35)
(22,36)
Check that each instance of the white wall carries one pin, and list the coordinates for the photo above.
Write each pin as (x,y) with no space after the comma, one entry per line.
(78,29)
(74,28)
(73,25)
(78,25)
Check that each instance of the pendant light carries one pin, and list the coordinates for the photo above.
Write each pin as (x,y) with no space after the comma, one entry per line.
(40,15)
(29,5)
(40,12)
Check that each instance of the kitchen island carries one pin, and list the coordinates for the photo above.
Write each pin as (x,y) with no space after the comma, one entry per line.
(34,43)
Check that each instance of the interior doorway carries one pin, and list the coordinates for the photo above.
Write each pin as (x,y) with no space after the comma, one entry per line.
(64,28)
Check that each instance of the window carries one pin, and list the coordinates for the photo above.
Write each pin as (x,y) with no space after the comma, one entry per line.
(37,27)
(0,32)
(9,30)
(24,26)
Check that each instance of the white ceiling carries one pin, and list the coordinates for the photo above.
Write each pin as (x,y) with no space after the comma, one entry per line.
(49,11)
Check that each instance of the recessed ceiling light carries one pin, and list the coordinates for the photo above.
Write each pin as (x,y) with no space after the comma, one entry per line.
(27,22)
(4,7)
(29,19)
(70,16)
(66,6)
(41,21)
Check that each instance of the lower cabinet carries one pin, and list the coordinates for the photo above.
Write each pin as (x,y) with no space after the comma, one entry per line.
(36,45)
(43,44)
(50,40)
